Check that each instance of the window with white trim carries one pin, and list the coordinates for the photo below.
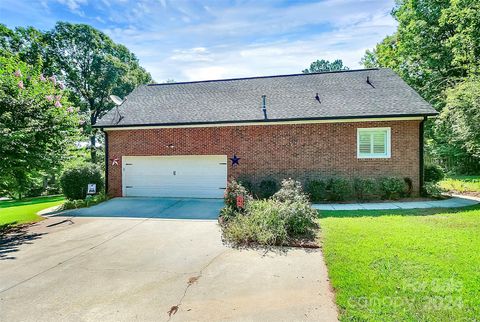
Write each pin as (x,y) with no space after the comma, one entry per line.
(373,142)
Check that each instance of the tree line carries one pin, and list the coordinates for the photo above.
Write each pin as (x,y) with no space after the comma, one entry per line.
(436,50)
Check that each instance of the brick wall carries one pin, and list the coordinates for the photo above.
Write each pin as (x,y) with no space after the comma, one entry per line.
(300,151)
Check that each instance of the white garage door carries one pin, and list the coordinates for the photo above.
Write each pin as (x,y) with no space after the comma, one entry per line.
(195,176)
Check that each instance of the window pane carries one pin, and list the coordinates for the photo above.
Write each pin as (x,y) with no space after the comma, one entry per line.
(365,146)
(379,142)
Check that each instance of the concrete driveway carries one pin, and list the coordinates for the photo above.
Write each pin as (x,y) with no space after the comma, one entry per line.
(136,207)
(139,269)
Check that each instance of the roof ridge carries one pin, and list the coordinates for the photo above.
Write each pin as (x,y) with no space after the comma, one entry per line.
(261,77)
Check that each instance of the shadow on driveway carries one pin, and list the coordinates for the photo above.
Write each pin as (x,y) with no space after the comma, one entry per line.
(12,236)
(135,207)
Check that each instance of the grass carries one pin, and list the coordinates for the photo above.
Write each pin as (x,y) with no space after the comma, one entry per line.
(461,183)
(404,265)
(24,211)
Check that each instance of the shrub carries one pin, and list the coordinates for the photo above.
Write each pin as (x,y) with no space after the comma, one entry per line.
(290,191)
(286,215)
(74,181)
(392,187)
(247,184)
(339,189)
(263,225)
(267,188)
(69,204)
(300,218)
(228,212)
(317,190)
(87,202)
(233,191)
(433,190)
(73,204)
(93,200)
(433,173)
(365,189)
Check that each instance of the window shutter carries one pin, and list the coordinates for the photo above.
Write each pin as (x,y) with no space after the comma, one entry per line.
(373,143)
(379,142)
(365,146)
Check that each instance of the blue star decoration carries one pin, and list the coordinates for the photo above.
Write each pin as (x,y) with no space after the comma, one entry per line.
(234,160)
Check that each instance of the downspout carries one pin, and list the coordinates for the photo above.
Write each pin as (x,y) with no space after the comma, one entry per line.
(421,152)
(106,160)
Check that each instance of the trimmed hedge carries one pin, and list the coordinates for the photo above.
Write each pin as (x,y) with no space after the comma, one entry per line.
(267,188)
(365,188)
(339,189)
(317,190)
(392,187)
(342,189)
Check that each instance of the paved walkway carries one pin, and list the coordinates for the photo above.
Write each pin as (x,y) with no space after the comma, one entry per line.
(454,202)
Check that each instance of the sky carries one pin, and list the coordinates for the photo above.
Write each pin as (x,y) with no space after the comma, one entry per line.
(187,40)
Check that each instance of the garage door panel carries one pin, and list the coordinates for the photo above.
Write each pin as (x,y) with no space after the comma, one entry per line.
(175,176)
(179,178)
(167,192)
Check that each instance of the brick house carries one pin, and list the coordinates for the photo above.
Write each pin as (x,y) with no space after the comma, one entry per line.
(186,139)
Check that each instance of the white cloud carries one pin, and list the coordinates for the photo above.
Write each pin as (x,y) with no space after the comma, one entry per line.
(188,40)
(197,54)
(286,56)
(73,5)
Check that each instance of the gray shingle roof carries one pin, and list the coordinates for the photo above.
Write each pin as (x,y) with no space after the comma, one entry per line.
(343,94)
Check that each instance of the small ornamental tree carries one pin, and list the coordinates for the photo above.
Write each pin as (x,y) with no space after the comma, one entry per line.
(37,124)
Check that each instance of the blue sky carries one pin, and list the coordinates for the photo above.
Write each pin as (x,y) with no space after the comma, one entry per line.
(189,40)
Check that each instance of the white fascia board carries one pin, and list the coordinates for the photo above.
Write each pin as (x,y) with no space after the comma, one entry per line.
(385,119)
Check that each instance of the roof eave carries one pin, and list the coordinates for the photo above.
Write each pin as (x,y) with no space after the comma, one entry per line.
(432,114)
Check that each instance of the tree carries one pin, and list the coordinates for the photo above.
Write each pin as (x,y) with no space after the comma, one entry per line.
(415,50)
(325,66)
(37,124)
(94,67)
(462,21)
(369,60)
(435,48)
(27,43)
(459,123)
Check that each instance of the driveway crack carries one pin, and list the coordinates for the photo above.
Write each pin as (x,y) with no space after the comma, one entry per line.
(192,280)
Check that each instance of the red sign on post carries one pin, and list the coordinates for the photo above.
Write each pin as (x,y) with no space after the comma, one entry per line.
(240,201)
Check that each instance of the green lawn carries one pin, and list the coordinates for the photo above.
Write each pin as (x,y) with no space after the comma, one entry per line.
(404,265)
(461,183)
(17,212)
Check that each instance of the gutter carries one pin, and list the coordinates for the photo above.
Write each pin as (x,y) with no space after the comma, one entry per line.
(331,118)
